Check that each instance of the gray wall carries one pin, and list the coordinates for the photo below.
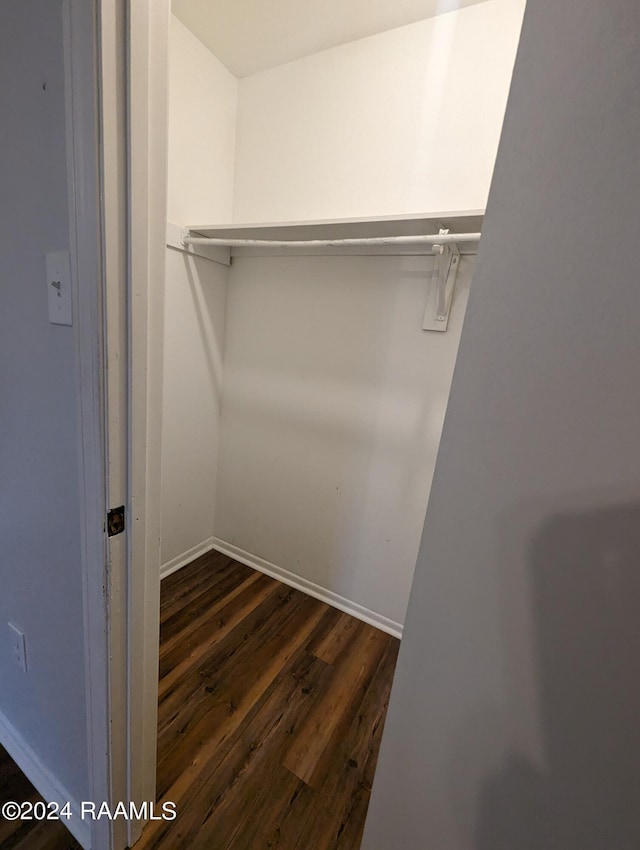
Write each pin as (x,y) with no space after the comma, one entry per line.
(40,578)
(514,719)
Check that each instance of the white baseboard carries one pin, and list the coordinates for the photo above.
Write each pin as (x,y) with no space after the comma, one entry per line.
(185,558)
(44,781)
(308,587)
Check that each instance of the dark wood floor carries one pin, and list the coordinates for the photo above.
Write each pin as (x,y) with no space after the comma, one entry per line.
(27,835)
(271,708)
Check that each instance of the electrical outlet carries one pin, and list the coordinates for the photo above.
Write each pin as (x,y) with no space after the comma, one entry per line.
(18,647)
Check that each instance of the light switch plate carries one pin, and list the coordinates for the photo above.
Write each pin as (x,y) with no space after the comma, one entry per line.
(59,288)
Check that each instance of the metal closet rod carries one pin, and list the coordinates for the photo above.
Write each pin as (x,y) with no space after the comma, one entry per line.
(432,239)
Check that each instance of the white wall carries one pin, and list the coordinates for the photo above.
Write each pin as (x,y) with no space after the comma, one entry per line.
(405,121)
(203,98)
(514,715)
(333,403)
(195,293)
(40,572)
(202,116)
(333,396)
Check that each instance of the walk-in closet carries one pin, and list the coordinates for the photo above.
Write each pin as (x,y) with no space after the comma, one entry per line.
(329,166)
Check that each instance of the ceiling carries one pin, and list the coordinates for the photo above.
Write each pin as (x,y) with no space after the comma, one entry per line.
(249,36)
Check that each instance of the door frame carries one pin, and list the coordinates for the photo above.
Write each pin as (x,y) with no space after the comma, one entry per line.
(82,50)
(147,55)
(116,112)
(116,104)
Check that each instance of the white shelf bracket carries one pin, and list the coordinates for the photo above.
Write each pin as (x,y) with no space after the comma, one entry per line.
(441,285)
(177,237)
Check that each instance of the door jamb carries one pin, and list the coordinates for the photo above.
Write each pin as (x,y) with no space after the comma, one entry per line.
(81,51)
(121,606)
(148,33)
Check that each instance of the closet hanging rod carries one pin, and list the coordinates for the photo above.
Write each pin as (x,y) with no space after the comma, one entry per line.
(432,239)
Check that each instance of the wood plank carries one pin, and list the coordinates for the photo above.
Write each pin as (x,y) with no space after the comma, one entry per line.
(28,834)
(45,835)
(202,581)
(325,626)
(174,623)
(226,695)
(207,564)
(269,800)
(310,754)
(239,663)
(21,791)
(202,633)
(262,675)
(213,799)
(347,786)
(291,821)
(244,622)
(334,642)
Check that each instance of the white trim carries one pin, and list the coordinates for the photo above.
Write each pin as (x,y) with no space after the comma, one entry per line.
(112,106)
(148,34)
(308,587)
(44,781)
(85,249)
(187,557)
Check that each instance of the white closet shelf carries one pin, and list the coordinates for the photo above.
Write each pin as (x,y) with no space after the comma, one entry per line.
(468,223)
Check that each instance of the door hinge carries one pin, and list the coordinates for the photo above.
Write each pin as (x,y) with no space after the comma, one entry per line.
(115,521)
